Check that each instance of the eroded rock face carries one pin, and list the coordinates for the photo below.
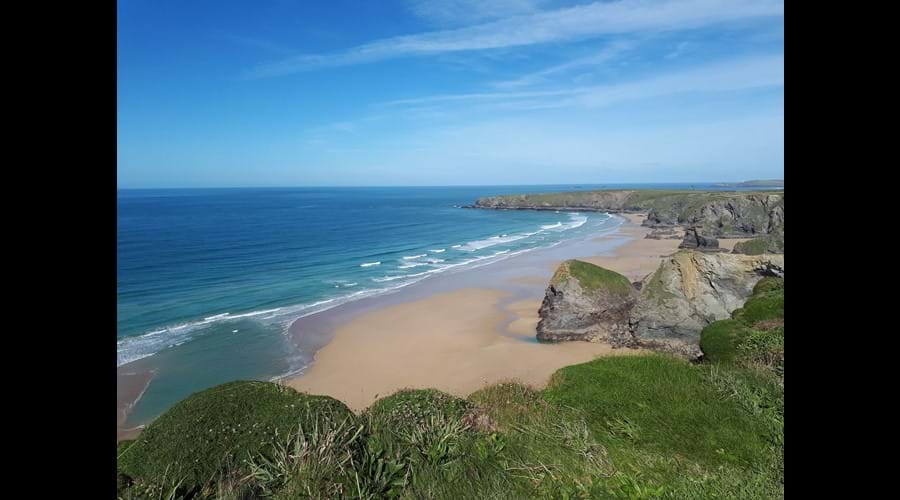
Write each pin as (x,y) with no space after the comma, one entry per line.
(691,290)
(586,302)
(735,215)
(696,241)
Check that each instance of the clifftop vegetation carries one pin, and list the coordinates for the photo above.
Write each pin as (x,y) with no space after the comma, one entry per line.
(648,426)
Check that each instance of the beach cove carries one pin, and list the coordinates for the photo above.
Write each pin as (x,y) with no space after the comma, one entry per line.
(469,331)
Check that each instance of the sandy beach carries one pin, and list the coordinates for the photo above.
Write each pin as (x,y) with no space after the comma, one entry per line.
(462,340)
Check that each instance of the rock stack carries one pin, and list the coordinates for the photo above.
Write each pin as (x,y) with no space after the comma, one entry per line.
(693,240)
(586,302)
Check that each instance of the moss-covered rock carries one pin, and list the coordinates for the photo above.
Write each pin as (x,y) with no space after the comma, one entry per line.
(586,302)
(218,429)
(591,277)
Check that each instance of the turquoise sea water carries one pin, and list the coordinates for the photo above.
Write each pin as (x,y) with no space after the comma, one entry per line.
(209,280)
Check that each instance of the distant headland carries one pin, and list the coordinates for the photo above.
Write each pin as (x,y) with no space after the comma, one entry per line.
(754,183)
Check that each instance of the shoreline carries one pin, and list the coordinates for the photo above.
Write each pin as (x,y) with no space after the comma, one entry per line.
(511,289)
(462,339)
(130,388)
(306,335)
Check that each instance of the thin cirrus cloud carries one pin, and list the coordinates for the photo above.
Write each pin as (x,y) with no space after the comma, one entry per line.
(608,53)
(732,75)
(458,12)
(561,25)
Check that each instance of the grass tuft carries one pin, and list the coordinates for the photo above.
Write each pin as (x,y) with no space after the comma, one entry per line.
(592,277)
(220,429)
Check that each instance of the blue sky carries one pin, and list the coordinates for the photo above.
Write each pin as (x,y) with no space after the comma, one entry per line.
(430,92)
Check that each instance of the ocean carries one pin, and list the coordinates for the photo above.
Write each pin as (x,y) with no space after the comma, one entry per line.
(209,280)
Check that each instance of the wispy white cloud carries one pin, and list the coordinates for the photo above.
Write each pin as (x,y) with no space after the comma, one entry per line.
(604,56)
(459,12)
(680,50)
(484,152)
(568,24)
(738,74)
(258,43)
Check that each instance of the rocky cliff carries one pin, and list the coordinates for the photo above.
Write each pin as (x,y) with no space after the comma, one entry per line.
(586,302)
(733,215)
(691,290)
(715,213)
(688,291)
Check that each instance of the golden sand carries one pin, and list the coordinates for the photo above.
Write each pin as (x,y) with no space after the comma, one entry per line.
(456,342)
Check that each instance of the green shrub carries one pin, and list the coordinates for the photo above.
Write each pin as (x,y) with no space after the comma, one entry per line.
(507,403)
(762,307)
(220,428)
(415,439)
(408,408)
(719,340)
(657,403)
(765,347)
(314,461)
(768,284)
(755,334)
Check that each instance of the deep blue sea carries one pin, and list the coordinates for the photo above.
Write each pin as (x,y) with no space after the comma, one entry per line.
(209,279)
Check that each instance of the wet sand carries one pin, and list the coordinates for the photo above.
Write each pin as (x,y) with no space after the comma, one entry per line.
(130,386)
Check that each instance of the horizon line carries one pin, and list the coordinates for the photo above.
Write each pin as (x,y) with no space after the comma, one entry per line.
(439,185)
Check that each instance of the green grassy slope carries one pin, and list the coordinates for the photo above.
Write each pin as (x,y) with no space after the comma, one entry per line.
(647,426)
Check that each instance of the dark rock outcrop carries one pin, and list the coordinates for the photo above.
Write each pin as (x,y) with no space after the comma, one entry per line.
(664,233)
(586,302)
(693,240)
